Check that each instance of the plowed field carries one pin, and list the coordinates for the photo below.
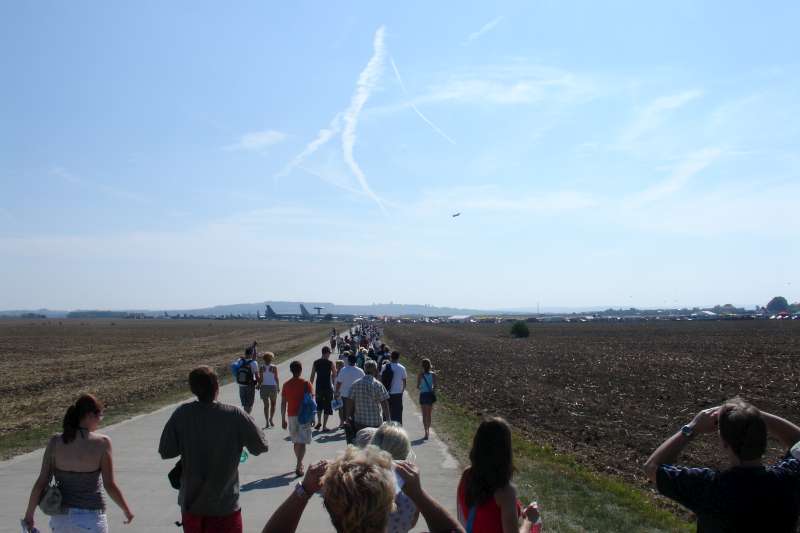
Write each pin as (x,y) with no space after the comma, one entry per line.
(46,363)
(610,393)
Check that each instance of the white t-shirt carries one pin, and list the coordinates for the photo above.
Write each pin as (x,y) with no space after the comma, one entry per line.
(397,379)
(347,376)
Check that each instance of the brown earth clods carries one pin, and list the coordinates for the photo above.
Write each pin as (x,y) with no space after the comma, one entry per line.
(47,363)
(610,393)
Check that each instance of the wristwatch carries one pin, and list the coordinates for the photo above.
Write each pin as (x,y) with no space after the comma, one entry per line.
(300,490)
(687,431)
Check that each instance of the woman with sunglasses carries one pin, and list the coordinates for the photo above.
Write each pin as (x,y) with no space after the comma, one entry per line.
(77,458)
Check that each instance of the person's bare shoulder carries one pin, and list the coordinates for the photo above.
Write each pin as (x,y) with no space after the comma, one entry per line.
(506,495)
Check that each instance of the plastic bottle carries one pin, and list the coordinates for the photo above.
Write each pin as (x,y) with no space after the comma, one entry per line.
(536,527)
(243,457)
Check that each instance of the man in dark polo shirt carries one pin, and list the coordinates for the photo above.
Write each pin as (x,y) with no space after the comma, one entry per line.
(209,437)
(747,496)
(325,373)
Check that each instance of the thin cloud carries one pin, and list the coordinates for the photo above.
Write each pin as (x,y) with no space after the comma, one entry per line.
(503,84)
(330,180)
(367,81)
(102,188)
(679,178)
(430,123)
(654,114)
(256,141)
(486,28)
(493,199)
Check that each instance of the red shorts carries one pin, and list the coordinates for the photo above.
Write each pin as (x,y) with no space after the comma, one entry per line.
(193,523)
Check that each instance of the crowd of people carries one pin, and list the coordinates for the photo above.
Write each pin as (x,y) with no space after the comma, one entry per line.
(373,485)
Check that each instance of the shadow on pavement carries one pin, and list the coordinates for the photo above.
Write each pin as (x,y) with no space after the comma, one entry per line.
(330,437)
(281,480)
(417,442)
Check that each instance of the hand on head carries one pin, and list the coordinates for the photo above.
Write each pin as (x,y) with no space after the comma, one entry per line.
(706,420)
(312,481)
(409,473)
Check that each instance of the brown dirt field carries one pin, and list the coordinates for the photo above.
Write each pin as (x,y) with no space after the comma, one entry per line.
(610,393)
(47,363)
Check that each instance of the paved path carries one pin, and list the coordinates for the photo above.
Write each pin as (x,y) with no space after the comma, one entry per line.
(265,480)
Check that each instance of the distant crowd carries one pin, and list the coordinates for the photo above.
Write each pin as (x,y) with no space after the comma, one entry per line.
(374,486)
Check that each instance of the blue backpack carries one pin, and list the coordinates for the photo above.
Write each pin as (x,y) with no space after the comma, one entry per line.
(307,409)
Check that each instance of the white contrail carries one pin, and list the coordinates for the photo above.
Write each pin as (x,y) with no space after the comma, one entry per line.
(430,123)
(324,135)
(347,121)
(486,28)
(367,81)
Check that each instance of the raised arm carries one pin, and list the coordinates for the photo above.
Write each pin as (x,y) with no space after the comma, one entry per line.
(437,518)
(782,429)
(286,517)
(670,449)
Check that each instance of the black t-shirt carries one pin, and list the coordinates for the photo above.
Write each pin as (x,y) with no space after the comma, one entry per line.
(738,499)
(323,367)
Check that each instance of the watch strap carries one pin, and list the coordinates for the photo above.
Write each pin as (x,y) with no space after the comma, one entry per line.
(300,490)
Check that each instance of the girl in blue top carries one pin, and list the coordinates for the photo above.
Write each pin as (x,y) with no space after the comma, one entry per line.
(426,383)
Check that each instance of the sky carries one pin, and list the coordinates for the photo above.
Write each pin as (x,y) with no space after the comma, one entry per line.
(191,153)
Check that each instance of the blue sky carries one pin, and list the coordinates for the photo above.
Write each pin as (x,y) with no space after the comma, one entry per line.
(181,154)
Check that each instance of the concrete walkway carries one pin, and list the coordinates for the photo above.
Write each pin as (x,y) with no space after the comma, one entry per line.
(265,480)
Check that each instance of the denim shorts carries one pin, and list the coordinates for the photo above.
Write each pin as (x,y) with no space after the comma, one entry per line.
(79,521)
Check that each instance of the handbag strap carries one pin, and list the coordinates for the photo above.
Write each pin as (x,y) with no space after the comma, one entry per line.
(471,518)
(51,463)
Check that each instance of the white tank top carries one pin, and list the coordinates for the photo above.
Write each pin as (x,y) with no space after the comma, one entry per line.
(268,377)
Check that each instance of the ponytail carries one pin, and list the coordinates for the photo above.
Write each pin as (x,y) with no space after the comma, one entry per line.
(86,404)
(70,425)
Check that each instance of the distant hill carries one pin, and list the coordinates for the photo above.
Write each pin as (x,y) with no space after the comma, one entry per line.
(283,307)
(280,307)
(49,313)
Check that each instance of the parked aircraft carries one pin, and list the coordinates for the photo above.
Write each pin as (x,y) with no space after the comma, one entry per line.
(270,314)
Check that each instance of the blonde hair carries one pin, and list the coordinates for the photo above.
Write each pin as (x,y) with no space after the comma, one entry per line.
(391,437)
(339,364)
(358,491)
(364,436)
(268,357)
